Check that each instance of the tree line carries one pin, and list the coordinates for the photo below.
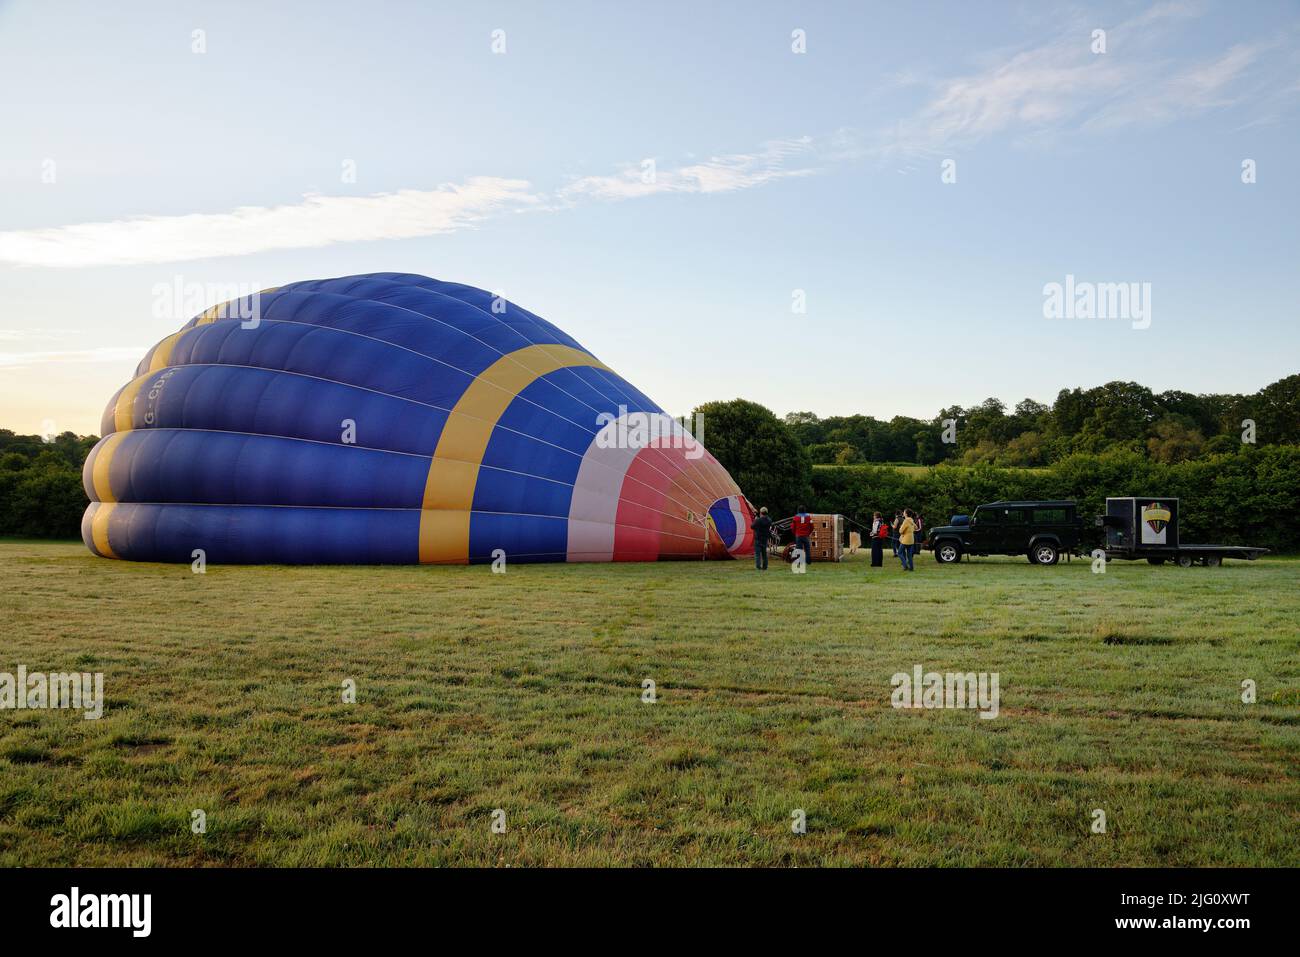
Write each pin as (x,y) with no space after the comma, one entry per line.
(1170,427)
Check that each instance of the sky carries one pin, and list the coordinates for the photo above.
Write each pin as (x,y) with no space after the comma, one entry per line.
(830,207)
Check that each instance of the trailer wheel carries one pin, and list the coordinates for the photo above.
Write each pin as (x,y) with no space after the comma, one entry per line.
(1213,561)
(1155,561)
(945,553)
(1184,561)
(1043,553)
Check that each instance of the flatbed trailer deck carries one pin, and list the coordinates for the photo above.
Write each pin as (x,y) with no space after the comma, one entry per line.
(1188,555)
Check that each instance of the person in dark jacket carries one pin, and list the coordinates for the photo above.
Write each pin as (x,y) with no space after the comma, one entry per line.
(877,541)
(762,528)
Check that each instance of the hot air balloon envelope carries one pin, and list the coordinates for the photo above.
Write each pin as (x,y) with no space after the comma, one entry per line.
(392,418)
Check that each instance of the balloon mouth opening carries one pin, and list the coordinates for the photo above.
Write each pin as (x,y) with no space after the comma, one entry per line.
(729,521)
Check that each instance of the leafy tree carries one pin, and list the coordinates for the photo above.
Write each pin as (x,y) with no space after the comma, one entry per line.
(1026,450)
(985,451)
(1031,411)
(985,422)
(1277,412)
(1121,412)
(760,452)
(847,455)
(930,449)
(1197,410)
(807,428)
(1220,445)
(1071,410)
(1176,440)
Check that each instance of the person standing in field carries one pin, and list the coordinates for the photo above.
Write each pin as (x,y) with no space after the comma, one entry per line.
(920,535)
(877,540)
(893,531)
(762,528)
(802,528)
(906,539)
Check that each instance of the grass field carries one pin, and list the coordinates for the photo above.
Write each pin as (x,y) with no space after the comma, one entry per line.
(523,692)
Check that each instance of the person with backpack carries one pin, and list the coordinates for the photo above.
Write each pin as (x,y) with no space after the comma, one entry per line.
(802,526)
(762,528)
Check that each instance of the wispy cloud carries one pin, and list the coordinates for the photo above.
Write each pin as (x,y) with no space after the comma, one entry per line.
(1060,86)
(1164,99)
(37,335)
(718,174)
(316,221)
(10,361)
(322,220)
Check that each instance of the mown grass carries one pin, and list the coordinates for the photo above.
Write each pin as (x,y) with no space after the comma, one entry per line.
(523,692)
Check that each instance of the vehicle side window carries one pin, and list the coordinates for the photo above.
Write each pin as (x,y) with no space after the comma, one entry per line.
(1012,516)
(986,516)
(1049,516)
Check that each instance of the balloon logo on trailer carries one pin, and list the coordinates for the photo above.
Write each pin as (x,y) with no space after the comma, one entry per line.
(1156,517)
(393,418)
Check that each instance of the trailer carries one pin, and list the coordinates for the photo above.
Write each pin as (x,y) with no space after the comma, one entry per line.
(1147,527)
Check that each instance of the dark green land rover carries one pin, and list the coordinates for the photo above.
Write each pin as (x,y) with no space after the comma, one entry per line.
(1043,531)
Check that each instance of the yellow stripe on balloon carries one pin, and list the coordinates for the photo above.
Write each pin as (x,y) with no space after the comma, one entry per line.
(162,353)
(213,313)
(453,473)
(124,407)
(99,529)
(160,356)
(104,461)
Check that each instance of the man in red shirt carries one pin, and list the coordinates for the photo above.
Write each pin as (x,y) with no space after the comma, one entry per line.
(801,525)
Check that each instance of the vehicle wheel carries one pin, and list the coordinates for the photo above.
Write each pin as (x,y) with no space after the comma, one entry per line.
(1043,553)
(945,553)
(1214,561)
(1155,561)
(1184,561)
